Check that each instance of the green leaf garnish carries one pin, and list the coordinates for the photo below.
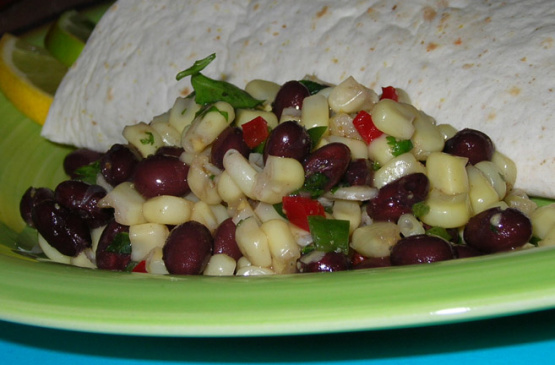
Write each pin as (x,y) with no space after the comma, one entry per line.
(420,209)
(209,91)
(439,232)
(197,67)
(398,147)
(279,209)
(121,244)
(88,173)
(149,139)
(534,241)
(313,87)
(314,184)
(316,134)
(212,108)
(329,235)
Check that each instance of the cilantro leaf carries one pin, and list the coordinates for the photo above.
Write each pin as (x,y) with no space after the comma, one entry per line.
(197,67)
(398,147)
(149,139)
(88,172)
(313,87)
(439,232)
(315,135)
(420,209)
(121,244)
(209,91)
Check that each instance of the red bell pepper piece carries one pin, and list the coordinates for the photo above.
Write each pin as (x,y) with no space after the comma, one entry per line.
(365,126)
(255,132)
(389,92)
(140,267)
(299,208)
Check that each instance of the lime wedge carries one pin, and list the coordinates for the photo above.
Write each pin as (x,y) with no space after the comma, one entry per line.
(67,36)
(29,76)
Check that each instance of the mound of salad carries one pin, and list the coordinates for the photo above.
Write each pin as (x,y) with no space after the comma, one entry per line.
(279,179)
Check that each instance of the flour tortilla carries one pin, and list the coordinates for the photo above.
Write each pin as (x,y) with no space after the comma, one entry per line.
(477,64)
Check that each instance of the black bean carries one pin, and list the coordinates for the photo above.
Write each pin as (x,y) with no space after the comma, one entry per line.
(79,158)
(30,198)
(230,138)
(421,249)
(82,198)
(224,240)
(288,139)
(470,143)
(290,95)
(112,252)
(188,249)
(161,175)
(331,160)
(398,197)
(118,164)
(66,232)
(317,261)
(495,230)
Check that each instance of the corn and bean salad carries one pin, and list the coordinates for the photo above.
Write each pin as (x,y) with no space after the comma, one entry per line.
(279,179)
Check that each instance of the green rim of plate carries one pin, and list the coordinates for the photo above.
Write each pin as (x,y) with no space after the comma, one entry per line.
(60,296)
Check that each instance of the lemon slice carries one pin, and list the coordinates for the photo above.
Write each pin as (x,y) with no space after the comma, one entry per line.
(67,36)
(29,76)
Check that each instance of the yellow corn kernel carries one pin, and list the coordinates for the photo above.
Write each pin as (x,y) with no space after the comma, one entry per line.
(315,111)
(379,150)
(341,124)
(283,248)
(482,195)
(494,175)
(447,131)
(358,148)
(447,173)
(518,199)
(143,137)
(426,138)
(220,265)
(447,211)
(201,180)
(507,167)
(376,239)
(349,211)
(127,204)
(409,225)
(145,237)
(205,128)
(543,220)
(166,209)
(396,168)
(263,90)
(202,213)
(253,242)
(228,190)
(182,113)
(52,253)
(155,262)
(394,119)
(170,136)
(281,176)
(350,97)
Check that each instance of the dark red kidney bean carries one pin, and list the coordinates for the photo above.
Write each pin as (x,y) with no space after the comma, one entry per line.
(161,175)
(118,164)
(230,138)
(224,240)
(329,262)
(65,231)
(82,199)
(420,249)
(288,139)
(188,249)
(470,143)
(290,95)
(398,197)
(30,198)
(170,150)
(79,158)
(496,230)
(109,257)
(358,173)
(331,160)
(372,263)
(463,251)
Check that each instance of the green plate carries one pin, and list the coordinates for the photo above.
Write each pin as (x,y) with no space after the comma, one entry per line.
(59,296)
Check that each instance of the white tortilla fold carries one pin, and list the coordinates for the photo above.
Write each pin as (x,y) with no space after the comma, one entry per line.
(476,64)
